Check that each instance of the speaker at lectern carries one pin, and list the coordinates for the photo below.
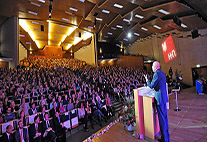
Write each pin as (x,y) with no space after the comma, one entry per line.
(147,123)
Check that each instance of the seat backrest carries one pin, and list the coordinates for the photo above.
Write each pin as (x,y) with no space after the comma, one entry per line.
(67,124)
(4,125)
(74,122)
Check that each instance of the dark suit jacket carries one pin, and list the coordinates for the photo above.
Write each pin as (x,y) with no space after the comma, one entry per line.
(58,127)
(45,126)
(41,116)
(52,112)
(32,131)
(4,138)
(159,85)
(17,135)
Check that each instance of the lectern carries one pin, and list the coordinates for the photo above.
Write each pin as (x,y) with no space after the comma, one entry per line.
(147,123)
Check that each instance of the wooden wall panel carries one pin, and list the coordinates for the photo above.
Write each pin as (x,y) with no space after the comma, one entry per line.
(131,61)
(4,64)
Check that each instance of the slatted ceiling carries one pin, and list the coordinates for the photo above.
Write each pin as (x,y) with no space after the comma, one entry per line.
(127,7)
(25,39)
(189,21)
(137,29)
(82,8)
(59,14)
(164,25)
(147,3)
(106,18)
(173,8)
(84,25)
(138,11)
(55,28)
(84,16)
(25,6)
(98,2)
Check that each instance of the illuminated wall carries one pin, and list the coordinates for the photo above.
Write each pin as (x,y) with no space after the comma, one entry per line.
(22,52)
(86,53)
(9,40)
(190,52)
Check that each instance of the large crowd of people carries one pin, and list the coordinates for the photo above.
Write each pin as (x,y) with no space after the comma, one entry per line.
(55,89)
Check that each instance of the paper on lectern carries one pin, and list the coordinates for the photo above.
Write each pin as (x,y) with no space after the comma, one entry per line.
(146,91)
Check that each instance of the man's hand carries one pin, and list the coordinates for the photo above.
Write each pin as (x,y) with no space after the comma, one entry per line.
(145,76)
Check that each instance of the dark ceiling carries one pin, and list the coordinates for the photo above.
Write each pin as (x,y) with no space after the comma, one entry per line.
(114,18)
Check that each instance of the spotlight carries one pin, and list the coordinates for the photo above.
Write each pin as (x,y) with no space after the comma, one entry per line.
(50,15)
(129,35)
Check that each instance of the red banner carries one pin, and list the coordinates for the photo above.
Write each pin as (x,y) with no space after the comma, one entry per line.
(168,49)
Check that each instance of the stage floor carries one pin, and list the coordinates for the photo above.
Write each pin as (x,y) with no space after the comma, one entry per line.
(187,125)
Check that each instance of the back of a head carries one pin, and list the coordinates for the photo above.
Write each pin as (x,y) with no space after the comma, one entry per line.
(155,66)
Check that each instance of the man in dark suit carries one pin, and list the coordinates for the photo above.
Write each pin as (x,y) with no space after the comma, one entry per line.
(59,127)
(21,133)
(53,110)
(159,85)
(8,136)
(48,129)
(35,130)
(33,110)
(42,114)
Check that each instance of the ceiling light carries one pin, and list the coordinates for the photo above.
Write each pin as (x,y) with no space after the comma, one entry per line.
(118,5)
(106,36)
(62,26)
(42,1)
(125,39)
(65,19)
(109,33)
(126,20)
(59,32)
(103,40)
(139,16)
(90,27)
(105,11)
(28,42)
(145,29)
(31,12)
(183,25)
(37,29)
(136,34)
(113,28)
(118,45)
(73,9)
(157,27)
(68,13)
(82,0)
(99,19)
(119,26)
(163,12)
(35,23)
(35,4)
(22,35)
(129,35)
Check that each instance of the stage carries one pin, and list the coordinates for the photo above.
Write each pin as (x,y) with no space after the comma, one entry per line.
(187,125)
